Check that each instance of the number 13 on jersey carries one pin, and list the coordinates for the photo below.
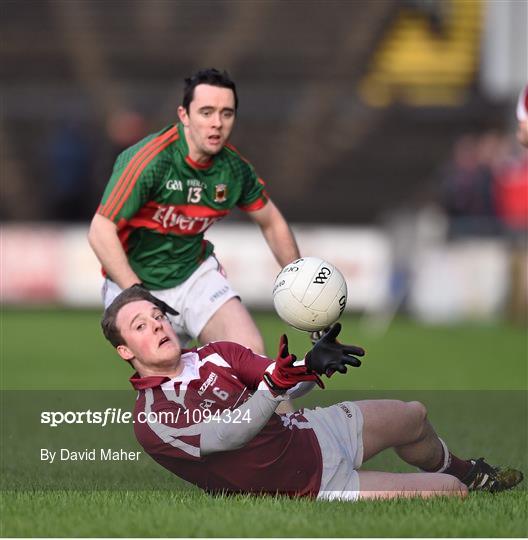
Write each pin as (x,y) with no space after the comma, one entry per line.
(194,194)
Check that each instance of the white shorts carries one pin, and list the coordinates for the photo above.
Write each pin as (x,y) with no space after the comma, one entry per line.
(197,299)
(339,431)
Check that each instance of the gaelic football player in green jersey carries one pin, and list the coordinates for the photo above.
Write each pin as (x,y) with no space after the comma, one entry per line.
(164,193)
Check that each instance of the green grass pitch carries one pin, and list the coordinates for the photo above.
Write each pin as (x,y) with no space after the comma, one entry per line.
(473,379)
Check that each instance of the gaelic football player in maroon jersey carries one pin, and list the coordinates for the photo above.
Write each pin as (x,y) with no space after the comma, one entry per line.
(208,416)
(164,193)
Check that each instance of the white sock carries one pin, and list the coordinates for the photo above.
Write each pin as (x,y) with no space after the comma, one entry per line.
(447,458)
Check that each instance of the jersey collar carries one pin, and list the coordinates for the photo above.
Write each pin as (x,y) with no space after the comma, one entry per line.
(190,360)
(142,383)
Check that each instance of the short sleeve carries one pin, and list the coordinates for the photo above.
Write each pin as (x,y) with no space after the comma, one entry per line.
(127,190)
(248,366)
(254,195)
(135,173)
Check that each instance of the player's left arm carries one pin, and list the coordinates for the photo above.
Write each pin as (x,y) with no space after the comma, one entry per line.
(277,233)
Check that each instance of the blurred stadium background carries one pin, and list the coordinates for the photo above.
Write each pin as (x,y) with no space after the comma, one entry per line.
(384,129)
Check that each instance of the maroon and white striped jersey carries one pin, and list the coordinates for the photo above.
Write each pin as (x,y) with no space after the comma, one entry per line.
(284,457)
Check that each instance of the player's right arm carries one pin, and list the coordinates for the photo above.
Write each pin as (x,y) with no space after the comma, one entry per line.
(104,240)
(128,190)
(279,380)
(123,197)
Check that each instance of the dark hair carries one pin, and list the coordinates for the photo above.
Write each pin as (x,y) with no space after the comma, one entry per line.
(209,76)
(132,294)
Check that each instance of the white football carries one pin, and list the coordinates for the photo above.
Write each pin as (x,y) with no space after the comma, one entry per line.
(310,294)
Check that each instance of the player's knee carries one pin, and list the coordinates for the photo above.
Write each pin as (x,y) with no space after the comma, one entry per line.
(458,487)
(418,410)
(447,484)
(418,415)
(256,342)
(462,489)
(253,342)
(257,346)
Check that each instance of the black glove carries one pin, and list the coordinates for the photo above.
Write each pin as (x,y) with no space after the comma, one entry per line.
(328,355)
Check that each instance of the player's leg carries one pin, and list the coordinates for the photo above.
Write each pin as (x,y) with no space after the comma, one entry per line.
(403,426)
(382,485)
(109,291)
(232,322)
(212,310)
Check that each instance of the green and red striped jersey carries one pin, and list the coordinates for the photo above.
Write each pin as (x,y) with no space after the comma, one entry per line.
(162,203)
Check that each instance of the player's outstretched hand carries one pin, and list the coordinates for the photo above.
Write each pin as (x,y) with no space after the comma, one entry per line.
(288,372)
(328,355)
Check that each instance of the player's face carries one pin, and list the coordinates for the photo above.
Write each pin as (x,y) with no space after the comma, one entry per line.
(209,122)
(151,342)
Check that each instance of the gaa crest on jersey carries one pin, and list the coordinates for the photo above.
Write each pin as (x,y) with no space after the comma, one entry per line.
(220,193)
(174,185)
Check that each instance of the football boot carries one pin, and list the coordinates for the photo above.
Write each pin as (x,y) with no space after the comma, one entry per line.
(484,477)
